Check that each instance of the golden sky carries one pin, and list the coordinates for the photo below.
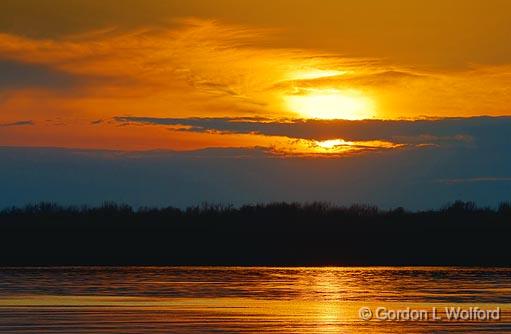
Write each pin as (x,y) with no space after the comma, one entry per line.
(86,74)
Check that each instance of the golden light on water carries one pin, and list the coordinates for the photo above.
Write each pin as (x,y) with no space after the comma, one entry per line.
(319,103)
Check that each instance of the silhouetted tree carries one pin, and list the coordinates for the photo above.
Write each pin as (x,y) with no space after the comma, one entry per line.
(261,234)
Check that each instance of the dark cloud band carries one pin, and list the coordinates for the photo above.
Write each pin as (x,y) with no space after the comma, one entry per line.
(459,130)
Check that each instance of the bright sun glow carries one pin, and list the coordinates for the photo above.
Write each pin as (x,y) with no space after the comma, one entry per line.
(332,143)
(331,104)
(333,147)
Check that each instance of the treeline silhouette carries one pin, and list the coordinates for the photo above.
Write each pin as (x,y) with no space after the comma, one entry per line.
(290,234)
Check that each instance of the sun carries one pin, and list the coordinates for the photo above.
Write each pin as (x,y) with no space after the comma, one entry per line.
(331,104)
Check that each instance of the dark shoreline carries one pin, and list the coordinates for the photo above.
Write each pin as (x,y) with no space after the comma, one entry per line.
(277,234)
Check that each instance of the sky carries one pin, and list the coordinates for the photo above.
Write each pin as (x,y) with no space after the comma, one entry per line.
(339,94)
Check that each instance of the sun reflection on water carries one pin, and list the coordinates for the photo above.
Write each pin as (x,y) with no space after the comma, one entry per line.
(243,300)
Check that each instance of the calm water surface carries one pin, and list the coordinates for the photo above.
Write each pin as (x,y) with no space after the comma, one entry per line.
(245,300)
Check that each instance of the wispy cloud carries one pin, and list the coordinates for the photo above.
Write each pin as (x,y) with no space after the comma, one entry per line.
(18,123)
(208,68)
(18,75)
(372,77)
(475,180)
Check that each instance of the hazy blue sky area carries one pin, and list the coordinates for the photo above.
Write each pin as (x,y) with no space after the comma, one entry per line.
(475,165)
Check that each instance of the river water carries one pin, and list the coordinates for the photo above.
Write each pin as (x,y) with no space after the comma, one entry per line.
(252,300)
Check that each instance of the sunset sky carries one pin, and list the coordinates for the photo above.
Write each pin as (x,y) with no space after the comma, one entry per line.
(345,85)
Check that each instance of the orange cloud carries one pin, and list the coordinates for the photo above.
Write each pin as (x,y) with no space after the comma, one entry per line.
(203,68)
